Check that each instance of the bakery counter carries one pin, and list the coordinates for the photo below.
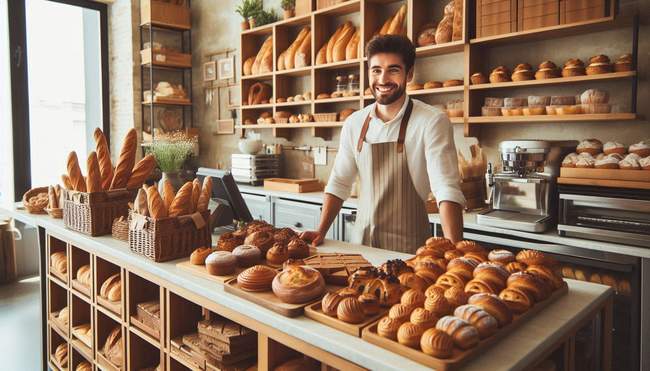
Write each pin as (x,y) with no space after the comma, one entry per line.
(525,346)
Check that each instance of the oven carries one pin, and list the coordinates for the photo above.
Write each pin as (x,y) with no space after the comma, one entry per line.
(624,273)
(614,215)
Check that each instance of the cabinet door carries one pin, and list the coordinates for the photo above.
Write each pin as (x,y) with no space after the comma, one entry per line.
(259,206)
(300,216)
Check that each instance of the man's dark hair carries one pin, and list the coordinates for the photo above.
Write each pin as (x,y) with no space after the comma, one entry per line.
(396,44)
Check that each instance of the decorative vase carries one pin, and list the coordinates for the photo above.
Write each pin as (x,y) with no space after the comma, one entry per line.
(173,178)
(251,22)
(288,13)
(244,25)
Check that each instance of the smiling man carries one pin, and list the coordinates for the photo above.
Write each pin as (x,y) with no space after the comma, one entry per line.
(401,149)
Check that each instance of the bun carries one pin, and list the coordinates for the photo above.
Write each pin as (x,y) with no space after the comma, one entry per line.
(413,297)
(438,305)
(387,327)
(485,323)
(424,318)
(298,284)
(370,304)
(501,256)
(456,296)
(462,266)
(623,63)
(247,255)
(573,67)
(409,334)
(437,343)
(400,312)
(228,242)
(256,278)
(199,255)
(298,249)
(262,239)
(126,160)
(104,158)
(350,311)
(499,74)
(463,334)
(494,306)
(411,86)
(74,173)
(517,300)
(277,255)
(330,303)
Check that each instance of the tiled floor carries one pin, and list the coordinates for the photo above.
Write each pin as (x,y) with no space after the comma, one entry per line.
(20,323)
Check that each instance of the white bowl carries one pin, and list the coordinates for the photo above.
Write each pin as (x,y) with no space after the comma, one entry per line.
(250,146)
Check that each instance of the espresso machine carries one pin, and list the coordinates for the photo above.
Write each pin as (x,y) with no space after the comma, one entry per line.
(523,191)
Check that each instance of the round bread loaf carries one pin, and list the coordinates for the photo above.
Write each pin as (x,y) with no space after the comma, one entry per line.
(437,343)
(350,310)
(221,263)
(330,303)
(409,334)
(247,255)
(256,278)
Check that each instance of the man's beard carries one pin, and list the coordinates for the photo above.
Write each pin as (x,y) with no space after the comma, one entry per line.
(388,99)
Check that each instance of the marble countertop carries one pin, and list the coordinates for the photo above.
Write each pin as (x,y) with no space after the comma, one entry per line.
(315,197)
(515,352)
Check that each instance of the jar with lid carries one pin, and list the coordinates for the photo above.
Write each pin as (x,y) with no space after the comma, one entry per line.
(353,84)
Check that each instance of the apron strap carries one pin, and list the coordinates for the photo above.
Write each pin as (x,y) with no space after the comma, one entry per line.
(402,129)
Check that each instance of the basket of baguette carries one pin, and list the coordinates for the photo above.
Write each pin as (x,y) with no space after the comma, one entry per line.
(92,202)
(169,225)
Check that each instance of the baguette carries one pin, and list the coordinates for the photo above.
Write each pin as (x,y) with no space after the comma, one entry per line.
(53,201)
(181,203)
(329,56)
(352,49)
(302,57)
(94,177)
(168,194)
(126,161)
(289,57)
(384,29)
(74,173)
(266,65)
(338,52)
(141,171)
(104,157)
(248,66)
(67,184)
(321,56)
(267,45)
(398,21)
(140,203)
(206,194)
(196,193)
(155,203)
(280,65)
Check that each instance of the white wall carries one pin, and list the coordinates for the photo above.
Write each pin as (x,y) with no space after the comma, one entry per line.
(6,145)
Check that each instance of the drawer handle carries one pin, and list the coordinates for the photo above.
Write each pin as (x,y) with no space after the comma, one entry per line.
(298,225)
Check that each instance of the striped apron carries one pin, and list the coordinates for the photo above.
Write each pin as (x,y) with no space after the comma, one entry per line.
(391,214)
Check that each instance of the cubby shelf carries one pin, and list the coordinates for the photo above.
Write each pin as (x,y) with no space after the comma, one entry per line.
(259,76)
(553,118)
(440,49)
(556,81)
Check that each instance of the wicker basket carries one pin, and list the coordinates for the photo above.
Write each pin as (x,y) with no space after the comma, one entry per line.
(120,229)
(325,117)
(55,213)
(34,209)
(167,238)
(93,213)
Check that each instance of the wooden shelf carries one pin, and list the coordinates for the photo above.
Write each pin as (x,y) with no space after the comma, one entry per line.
(259,76)
(170,26)
(302,71)
(148,103)
(267,29)
(451,89)
(457,120)
(292,126)
(559,80)
(338,100)
(289,104)
(258,106)
(545,33)
(347,7)
(295,21)
(338,65)
(552,118)
(440,49)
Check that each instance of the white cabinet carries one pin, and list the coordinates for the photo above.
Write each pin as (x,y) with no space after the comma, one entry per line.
(300,216)
(259,206)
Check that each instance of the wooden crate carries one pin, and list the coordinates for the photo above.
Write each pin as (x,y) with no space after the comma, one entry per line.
(163,13)
(165,58)
(495,17)
(572,11)
(293,185)
(533,14)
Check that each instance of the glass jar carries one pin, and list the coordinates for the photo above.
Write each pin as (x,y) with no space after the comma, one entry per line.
(353,84)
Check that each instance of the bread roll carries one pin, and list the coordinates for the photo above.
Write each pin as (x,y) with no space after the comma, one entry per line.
(181,203)
(126,160)
(141,171)
(206,194)
(409,334)
(74,173)
(465,335)
(329,54)
(338,51)
(104,157)
(108,284)
(289,56)
(303,54)
(155,204)
(196,193)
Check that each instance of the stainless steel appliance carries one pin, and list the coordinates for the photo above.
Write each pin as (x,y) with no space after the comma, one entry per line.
(523,193)
(252,169)
(606,214)
(347,219)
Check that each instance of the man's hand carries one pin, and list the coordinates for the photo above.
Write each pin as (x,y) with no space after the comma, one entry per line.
(314,237)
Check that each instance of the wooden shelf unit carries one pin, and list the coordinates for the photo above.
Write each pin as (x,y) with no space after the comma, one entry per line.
(368,17)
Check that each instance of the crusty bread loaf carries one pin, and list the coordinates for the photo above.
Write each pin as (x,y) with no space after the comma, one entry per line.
(94,177)
(398,21)
(104,157)
(181,203)
(267,45)
(329,56)
(108,284)
(67,184)
(141,171)
(289,57)
(155,203)
(126,160)
(302,57)
(248,66)
(168,194)
(196,192)
(352,49)
(457,28)
(206,194)
(266,64)
(321,56)
(280,65)
(338,52)
(384,28)
(74,173)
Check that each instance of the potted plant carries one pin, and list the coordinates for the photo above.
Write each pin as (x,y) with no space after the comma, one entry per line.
(263,17)
(289,7)
(247,10)
(170,156)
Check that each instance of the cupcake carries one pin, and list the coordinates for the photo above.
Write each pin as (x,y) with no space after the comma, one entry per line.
(613,147)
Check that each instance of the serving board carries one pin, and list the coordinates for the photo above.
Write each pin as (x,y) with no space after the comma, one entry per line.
(202,271)
(459,357)
(268,300)
(613,178)
(315,312)
(293,185)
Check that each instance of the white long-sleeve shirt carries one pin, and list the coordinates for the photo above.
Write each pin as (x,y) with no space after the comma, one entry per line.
(428,144)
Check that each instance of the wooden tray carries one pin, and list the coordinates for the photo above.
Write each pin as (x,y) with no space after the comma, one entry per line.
(62,277)
(54,320)
(105,364)
(81,288)
(113,306)
(201,271)
(146,329)
(267,299)
(293,185)
(315,312)
(459,357)
(607,174)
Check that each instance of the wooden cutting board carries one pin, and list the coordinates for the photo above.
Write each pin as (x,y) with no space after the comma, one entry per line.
(293,185)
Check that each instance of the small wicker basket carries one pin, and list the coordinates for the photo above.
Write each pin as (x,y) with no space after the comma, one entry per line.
(325,117)
(55,213)
(120,229)
(93,213)
(35,208)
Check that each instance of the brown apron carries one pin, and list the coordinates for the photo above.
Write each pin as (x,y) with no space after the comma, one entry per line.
(391,214)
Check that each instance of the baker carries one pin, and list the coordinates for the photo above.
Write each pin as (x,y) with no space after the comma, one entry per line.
(401,149)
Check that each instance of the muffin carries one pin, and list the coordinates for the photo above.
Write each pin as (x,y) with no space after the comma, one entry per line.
(522,72)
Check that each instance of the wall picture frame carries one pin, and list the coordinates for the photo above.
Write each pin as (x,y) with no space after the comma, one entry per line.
(209,71)
(226,126)
(226,68)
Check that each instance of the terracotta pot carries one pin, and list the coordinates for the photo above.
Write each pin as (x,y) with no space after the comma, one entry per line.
(288,13)
(252,22)
(244,25)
